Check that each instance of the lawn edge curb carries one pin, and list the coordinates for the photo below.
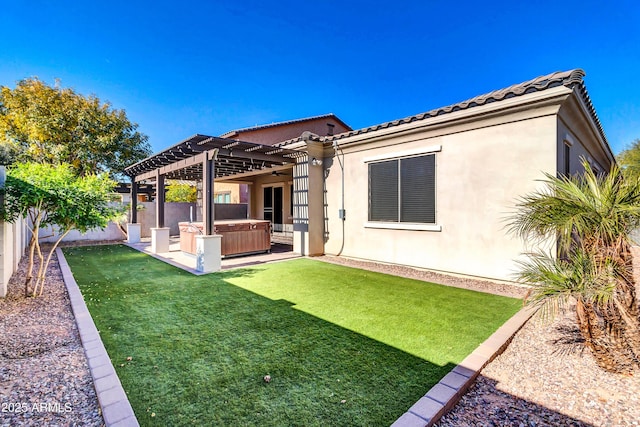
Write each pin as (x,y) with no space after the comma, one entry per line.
(114,404)
(136,246)
(443,396)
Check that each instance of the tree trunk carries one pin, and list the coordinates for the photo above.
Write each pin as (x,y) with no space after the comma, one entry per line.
(630,326)
(625,300)
(29,275)
(40,267)
(33,244)
(620,313)
(609,351)
(43,270)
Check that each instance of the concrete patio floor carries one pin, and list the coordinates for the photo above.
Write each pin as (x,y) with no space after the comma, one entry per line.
(187,262)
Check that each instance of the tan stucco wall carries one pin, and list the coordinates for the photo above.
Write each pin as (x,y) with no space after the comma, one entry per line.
(13,244)
(225,187)
(482,167)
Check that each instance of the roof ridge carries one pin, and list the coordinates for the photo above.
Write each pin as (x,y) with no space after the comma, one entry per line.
(286,122)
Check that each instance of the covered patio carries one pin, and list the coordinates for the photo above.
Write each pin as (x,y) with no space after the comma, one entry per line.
(280,199)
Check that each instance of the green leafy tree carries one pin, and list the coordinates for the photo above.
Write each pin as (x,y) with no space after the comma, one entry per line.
(53,195)
(591,217)
(629,160)
(177,192)
(45,124)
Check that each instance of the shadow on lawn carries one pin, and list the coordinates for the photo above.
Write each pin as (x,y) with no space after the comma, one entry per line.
(321,373)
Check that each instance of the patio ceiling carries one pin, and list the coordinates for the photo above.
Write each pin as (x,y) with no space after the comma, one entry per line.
(232,157)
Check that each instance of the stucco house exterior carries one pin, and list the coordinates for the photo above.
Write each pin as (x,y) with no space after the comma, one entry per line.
(439,185)
(431,190)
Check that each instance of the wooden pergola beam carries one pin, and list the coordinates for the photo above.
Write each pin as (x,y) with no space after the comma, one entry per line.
(164,170)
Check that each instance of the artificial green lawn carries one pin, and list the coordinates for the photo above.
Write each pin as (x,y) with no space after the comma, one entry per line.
(343,346)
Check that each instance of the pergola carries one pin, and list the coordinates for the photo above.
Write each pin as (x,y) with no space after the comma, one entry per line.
(205,158)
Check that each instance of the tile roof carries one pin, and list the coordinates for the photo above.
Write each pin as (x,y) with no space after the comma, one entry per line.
(571,79)
(288,122)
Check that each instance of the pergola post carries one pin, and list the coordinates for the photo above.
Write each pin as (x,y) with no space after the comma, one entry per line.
(134,200)
(133,228)
(209,245)
(208,176)
(315,198)
(159,234)
(159,200)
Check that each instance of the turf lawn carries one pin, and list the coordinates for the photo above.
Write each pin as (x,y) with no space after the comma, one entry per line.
(343,346)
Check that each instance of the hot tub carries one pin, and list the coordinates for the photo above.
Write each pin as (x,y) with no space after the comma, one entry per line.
(239,236)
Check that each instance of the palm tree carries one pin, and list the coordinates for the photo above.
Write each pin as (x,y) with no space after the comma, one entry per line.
(591,217)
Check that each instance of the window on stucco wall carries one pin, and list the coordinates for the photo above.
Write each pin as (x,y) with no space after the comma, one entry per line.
(403,190)
(222,198)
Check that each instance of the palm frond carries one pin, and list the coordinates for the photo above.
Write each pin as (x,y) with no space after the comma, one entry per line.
(601,208)
(554,282)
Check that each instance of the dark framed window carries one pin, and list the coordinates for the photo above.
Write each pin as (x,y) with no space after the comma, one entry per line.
(403,190)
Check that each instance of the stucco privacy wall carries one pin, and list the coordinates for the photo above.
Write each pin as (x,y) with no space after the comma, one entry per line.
(174,212)
(111,232)
(13,241)
(483,164)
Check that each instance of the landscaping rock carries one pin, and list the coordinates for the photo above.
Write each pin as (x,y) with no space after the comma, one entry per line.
(44,376)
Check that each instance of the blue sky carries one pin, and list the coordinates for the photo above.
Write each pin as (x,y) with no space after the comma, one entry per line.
(185,67)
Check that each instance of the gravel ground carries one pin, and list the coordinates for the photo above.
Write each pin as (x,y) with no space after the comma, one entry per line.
(44,376)
(545,377)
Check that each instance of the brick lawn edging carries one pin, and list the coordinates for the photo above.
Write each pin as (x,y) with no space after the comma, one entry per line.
(443,396)
(115,406)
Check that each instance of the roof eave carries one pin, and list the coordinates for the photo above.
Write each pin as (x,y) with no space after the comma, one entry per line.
(553,96)
(588,111)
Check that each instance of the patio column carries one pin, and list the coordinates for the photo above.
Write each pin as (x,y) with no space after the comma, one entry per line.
(159,200)
(208,176)
(159,234)
(315,198)
(133,228)
(134,200)
(209,245)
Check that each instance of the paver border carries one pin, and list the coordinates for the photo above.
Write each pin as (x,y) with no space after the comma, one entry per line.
(443,396)
(115,406)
